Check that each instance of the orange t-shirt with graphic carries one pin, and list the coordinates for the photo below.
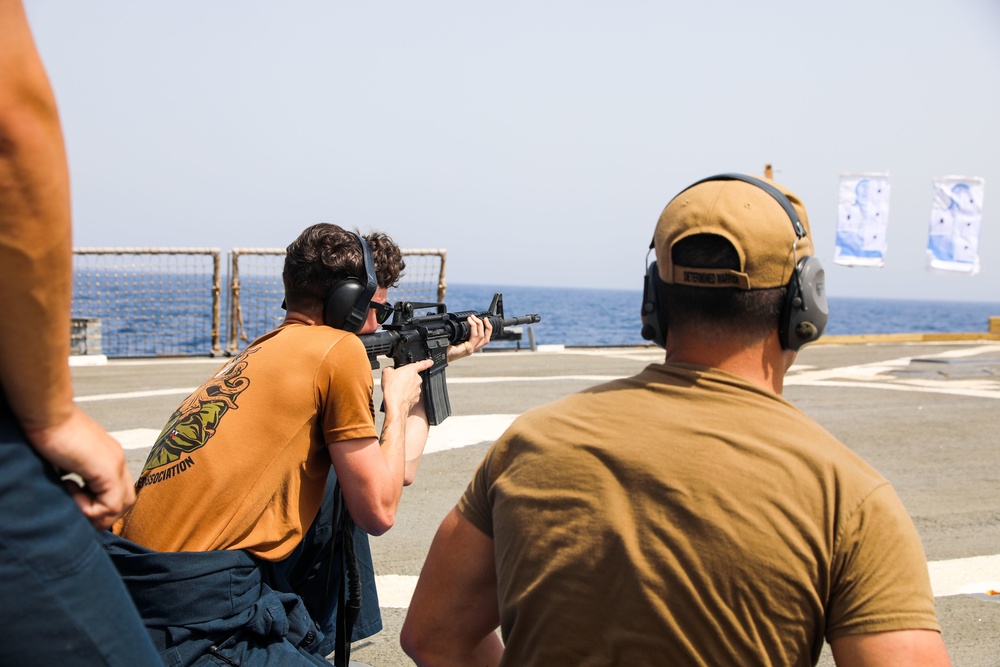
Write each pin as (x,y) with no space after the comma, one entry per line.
(243,463)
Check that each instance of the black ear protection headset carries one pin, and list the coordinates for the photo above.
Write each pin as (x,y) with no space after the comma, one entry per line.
(347,301)
(805,311)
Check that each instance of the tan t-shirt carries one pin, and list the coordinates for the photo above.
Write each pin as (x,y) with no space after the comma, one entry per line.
(242,463)
(684,516)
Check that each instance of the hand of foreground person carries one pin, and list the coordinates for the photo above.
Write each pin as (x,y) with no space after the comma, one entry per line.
(80,445)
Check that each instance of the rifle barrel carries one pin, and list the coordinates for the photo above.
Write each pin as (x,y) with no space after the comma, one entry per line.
(524,319)
(385,342)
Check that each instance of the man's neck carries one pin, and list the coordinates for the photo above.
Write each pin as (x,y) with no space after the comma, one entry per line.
(761,362)
(300,317)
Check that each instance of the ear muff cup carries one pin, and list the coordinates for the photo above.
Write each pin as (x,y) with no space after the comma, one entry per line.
(654,326)
(342,302)
(805,313)
(347,301)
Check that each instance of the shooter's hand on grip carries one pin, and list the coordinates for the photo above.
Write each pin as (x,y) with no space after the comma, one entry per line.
(401,392)
(401,386)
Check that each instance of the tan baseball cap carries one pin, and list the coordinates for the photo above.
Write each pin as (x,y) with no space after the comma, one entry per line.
(749,217)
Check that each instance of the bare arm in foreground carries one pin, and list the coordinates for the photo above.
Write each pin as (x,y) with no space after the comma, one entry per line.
(454,612)
(906,648)
(372,471)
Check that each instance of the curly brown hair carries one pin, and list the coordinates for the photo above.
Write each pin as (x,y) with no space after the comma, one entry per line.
(324,254)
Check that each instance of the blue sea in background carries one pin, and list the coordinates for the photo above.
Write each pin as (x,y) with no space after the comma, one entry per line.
(179,323)
(611,317)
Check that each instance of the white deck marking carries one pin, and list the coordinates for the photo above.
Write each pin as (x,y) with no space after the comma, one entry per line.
(462,431)
(185,391)
(395,590)
(533,378)
(872,376)
(863,375)
(964,576)
(178,391)
(454,432)
(136,438)
(926,387)
(961,576)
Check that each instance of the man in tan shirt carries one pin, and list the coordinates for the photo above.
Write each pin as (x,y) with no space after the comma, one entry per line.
(688,515)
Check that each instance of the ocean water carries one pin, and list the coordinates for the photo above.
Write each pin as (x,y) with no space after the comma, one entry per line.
(611,317)
(155,321)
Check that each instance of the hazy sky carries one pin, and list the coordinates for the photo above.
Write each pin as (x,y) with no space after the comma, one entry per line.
(536,141)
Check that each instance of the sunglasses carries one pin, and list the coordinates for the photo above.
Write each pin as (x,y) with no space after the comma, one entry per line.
(382,311)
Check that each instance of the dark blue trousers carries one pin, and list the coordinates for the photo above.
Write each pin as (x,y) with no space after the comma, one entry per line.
(201,608)
(317,568)
(210,608)
(61,600)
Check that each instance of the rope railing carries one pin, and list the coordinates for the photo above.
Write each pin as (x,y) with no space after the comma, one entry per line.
(143,302)
(150,301)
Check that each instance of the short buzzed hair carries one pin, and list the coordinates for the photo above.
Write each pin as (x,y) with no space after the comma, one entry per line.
(729,311)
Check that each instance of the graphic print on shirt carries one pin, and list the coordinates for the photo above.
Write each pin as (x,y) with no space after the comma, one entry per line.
(194,423)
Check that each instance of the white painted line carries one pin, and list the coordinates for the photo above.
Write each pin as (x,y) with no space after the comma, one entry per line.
(135,394)
(395,590)
(454,432)
(942,389)
(962,352)
(861,371)
(136,438)
(88,360)
(808,375)
(532,378)
(800,368)
(961,576)
(638,353)
(170,361)
(185,391)
(462,431)
(871,376)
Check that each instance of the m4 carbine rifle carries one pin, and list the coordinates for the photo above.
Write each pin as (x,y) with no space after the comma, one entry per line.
(411,337)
